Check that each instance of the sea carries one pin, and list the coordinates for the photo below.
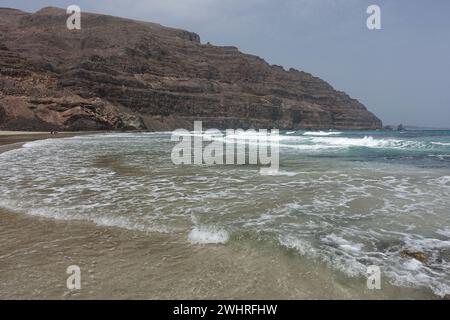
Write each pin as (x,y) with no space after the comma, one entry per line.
(345,199)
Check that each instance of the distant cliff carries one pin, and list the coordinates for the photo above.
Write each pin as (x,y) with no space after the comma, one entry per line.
(117,73)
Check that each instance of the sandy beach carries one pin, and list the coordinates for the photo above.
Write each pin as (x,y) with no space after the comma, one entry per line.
(118,263)
(121,264)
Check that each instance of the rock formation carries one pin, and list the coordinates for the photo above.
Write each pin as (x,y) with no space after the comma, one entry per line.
(117,73)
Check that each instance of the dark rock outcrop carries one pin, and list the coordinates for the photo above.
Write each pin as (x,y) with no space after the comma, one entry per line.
(419,256)
(117,73)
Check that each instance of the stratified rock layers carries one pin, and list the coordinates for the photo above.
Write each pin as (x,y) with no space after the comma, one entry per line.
(117,73)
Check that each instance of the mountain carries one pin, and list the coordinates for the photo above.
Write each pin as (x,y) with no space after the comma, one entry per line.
(117,73)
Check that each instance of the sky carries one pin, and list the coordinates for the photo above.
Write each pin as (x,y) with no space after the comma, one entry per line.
(400,72)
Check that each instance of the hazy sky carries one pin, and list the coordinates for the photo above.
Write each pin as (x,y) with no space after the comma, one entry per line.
(400,72)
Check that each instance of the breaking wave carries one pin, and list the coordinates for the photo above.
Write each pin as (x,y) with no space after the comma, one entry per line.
(322,133)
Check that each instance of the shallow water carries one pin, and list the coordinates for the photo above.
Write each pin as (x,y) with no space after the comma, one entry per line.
(346,200)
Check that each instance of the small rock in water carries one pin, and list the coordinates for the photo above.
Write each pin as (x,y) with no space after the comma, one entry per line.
(420,256)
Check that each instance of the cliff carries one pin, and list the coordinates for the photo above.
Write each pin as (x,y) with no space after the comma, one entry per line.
(117,73)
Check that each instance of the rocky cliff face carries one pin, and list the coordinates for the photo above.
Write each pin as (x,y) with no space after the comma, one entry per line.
(117,73)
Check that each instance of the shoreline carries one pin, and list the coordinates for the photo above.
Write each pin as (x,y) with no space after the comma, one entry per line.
(20,137)
(127,264)
(118,263)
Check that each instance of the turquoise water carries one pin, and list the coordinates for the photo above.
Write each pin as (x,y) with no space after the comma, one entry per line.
(418,148)
(347,199)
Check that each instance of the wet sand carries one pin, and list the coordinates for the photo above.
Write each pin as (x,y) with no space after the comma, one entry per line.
(17,137)
(125,264)
(122,264)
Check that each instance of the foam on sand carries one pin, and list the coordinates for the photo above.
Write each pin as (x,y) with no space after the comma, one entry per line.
(208,235)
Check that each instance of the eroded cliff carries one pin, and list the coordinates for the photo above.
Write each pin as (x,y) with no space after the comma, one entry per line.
(117,73)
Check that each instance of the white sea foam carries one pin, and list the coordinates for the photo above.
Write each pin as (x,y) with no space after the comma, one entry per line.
(301,245)
(346,263)
(369,142)
(342,243)
(208,235)
(412,264)
(322,133)
(444,232)
(334,143)
(442,181)
(441,143)
(350,142)
(39,143)
(273,172)
(442,157)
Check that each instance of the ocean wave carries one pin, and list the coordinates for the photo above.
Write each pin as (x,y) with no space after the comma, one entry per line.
(358,142)
(444,232)
(273,172)
(322,133)
(102,221)
(39,143)
(318,143)
(441,143)
(342,243)
(441,157)
(443,181)
(342,260)
(353,259)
